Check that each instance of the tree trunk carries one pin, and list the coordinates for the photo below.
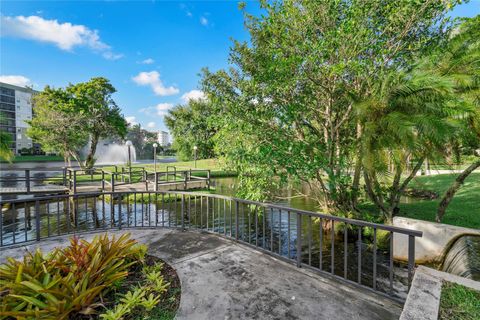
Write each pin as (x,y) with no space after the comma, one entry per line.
(442,207)
(357,170)
(90,161)
(398,191)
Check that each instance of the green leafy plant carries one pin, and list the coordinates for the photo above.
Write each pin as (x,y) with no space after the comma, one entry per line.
(117,313)
(159,285)
(67,280)
(150,302)
(133,298)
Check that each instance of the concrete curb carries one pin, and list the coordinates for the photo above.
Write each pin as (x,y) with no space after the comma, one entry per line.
(423,300)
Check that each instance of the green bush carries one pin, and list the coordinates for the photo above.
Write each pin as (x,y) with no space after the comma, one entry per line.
(66,281)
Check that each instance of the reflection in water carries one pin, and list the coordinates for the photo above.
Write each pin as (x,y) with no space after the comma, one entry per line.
(463,258)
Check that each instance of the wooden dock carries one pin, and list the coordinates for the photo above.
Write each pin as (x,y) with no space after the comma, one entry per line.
(43,189)
(101,180)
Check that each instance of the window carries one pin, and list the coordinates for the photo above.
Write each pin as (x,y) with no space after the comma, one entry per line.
(7,91)
(7,99)
(19,136)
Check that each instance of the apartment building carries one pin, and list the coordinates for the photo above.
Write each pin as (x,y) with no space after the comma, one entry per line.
(15,109)
(163,138)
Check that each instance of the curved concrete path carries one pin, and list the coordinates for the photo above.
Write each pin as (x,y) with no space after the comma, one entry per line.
(224,280)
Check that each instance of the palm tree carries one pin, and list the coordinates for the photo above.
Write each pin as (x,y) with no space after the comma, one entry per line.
(460,59)
(407,117)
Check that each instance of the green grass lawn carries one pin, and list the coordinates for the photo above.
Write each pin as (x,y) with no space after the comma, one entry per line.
(459,303)
(464,210)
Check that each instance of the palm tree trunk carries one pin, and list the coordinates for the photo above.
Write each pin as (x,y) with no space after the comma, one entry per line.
(448,196)
(399,190)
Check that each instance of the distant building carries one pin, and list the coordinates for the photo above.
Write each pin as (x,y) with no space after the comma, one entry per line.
(163,138)
(15,108)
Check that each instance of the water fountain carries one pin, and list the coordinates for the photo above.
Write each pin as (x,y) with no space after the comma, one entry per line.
(463,257)
(113,153)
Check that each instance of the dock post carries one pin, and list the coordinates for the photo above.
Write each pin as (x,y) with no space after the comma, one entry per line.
(112,182)
(208,180)
(27,180)
(37,219)
(64,176)
(145,178)
(156,182)
(74,181)
(185,177)
(183,212)
(103,180)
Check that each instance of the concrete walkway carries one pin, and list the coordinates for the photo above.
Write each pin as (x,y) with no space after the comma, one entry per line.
(224,280)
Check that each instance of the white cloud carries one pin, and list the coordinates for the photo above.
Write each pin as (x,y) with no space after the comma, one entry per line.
(160,109)
(131,120)
(151,124)
(112,56)
(193,95)
(65,36)
(152,79)
(16,80)
(147,61)
(204,21)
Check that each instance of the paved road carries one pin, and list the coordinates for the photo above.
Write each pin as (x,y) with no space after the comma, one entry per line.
(224,280)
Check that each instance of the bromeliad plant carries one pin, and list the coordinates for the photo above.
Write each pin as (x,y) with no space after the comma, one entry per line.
(68,280)
(142,298)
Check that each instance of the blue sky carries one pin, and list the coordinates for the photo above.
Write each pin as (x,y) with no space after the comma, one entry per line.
(152,51)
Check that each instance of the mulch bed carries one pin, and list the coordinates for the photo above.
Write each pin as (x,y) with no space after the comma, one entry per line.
(166,309)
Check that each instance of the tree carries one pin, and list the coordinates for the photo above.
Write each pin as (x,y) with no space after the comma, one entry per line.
(5,144)
(103,117)
(287,99)
(6,140)
(142,140)
(193,124)
(408,116)
(461,59)
(58,124)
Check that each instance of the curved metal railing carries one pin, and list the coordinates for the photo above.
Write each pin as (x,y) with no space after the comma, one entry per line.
(356,251)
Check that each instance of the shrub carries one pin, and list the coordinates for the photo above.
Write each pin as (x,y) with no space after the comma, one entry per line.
(143,298)
(67,280)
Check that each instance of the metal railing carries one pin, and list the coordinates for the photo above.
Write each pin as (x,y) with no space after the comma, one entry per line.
(26,179)
(183,176)
(100,178)
(346,249)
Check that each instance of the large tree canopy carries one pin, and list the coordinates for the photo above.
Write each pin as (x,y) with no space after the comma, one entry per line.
(289,97)
(193,124)
(143,141)
(58,124)
(103,116)
(68,119)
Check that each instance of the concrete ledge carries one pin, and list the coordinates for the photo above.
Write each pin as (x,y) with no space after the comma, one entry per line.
(423,300)
(436,239)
